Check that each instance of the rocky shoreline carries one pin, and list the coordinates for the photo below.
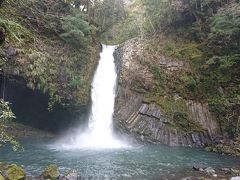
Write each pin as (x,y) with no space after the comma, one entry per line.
(51,172)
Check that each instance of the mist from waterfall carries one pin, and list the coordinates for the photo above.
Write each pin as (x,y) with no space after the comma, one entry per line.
(100,130)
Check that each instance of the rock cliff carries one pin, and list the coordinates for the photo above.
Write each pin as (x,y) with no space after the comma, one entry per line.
(140,110)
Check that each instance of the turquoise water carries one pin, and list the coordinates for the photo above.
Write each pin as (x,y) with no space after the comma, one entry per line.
(140,162)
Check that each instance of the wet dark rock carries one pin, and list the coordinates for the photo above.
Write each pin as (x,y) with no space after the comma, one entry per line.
(10,52)
(235,171)
(153,111)
(196,139)
(198,167)
(2,33)
(226,170)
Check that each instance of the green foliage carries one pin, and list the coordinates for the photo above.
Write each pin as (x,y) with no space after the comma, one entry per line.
(75,83)
(187,51)
(78,31)
(168,104)
(6,115)
(189,82)
(225,31)
(224,69)
(2,58)
(56,51)
(43,73)
(158,14)
(108,13)
(182,120)
(15,32)
(226,109)
(160,78)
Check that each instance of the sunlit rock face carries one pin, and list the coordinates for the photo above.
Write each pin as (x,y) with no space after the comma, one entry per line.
(146,120)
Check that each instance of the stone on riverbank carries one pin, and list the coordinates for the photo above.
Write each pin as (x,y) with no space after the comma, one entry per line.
(210,170)
(51,172)
(198,168)
(235,171)
(1,177)
(71,175)
(15,172)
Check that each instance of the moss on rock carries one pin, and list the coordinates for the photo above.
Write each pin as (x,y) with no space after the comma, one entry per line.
(1,177)
(228,147)
(51,172)
(15,172)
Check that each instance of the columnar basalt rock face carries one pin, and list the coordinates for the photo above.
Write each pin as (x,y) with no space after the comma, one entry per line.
(146,121)
(199,112)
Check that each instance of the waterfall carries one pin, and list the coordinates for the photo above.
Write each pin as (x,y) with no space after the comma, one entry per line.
(100,131)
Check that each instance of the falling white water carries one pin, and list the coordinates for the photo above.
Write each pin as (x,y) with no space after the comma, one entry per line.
(100,132)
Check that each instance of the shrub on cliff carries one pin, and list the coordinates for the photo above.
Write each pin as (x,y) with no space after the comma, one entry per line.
(77,31)
(6,115)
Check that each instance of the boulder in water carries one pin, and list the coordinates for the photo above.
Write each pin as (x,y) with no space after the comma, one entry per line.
(210,171)
(15,172)
(51,172)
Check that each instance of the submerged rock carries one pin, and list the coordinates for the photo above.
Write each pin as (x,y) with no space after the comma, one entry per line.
(15,172)
(51,172)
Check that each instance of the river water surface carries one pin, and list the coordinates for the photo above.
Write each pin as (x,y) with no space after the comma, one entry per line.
(137,162)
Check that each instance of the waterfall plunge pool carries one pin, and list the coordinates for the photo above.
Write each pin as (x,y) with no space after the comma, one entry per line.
(139,162)
(98,154)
